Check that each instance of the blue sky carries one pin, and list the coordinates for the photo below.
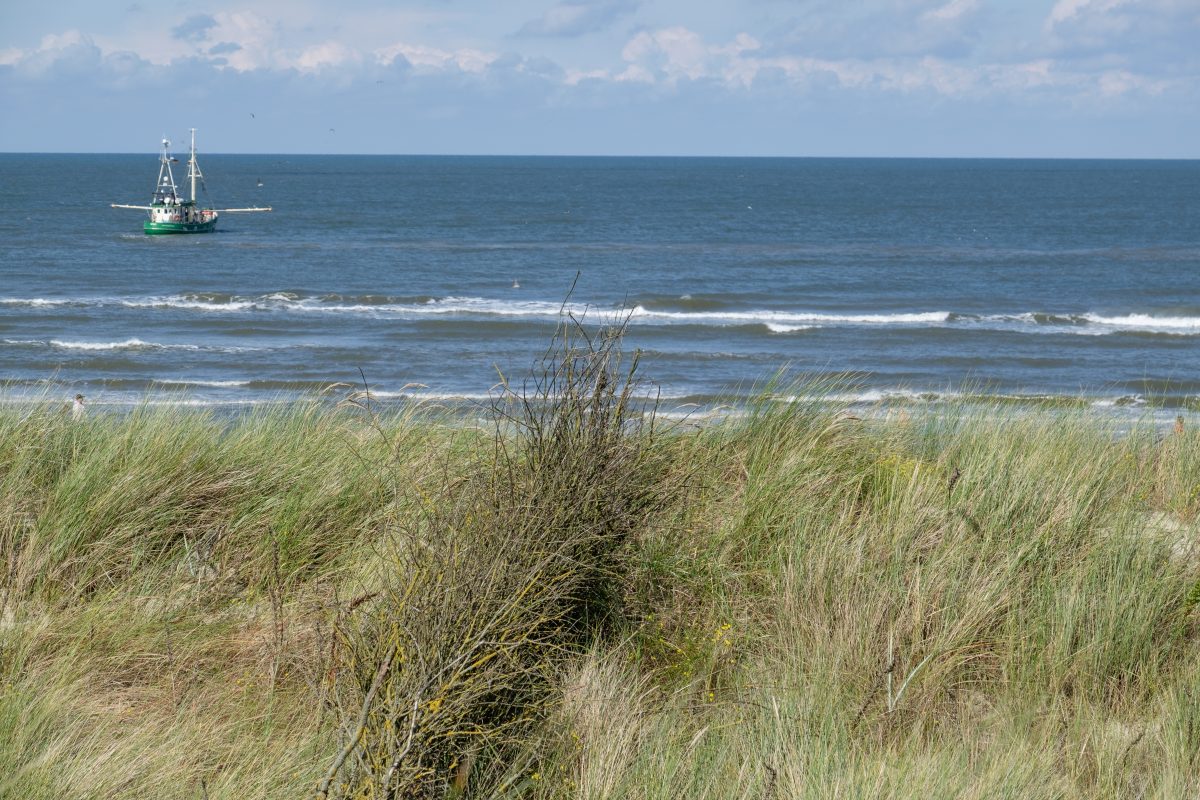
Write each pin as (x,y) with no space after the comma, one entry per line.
(1053,78)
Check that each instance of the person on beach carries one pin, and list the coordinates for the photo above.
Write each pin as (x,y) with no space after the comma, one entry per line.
(77,409)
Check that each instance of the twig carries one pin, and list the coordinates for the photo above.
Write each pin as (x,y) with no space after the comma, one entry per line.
(323,789)
(412,729)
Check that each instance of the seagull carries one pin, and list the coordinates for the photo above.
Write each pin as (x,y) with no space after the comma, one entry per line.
(252,115)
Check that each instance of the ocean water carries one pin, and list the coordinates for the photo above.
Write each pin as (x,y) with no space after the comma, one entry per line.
(432,276)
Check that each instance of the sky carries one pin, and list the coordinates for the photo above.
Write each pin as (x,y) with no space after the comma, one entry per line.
(926,78)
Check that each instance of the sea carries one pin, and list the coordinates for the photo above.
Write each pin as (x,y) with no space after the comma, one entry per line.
(429,278)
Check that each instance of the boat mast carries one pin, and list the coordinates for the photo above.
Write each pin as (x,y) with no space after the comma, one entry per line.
(164,167)
(192,166)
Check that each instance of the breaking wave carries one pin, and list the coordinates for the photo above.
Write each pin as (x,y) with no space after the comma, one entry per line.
(132,343)
(128,344)
(203,383)
(684,311)
(35,302)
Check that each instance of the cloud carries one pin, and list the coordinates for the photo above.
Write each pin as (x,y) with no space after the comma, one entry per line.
(578,17)
(677,53)
(326,54)
(955,9)
(1065,10)
(1150,37)
(425,59)
(195,28)
(930,62)
(915,28)
(67,53)
(671,57)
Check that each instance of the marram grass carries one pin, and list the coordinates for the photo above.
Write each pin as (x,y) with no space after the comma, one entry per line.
(972,602)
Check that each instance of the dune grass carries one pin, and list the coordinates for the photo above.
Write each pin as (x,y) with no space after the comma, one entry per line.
(317,600)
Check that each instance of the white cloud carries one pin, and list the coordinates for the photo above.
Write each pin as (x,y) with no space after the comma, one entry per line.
(1065,10)
(244,42)
(69,50)
(61,41)
(955,9)
(667,57)
(326,54)
(433,59)
(1120,82)
(677,52)
(574,76)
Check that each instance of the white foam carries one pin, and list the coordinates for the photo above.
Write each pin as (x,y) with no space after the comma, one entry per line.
(199,403)
(498,394)
(791,317)
(137,344)
(128,344)
(187,303)
(1083,324)
(34,302)
(1125,401)
(434,397)
(873,396)
(775,320)
(212,384)
(449,306)
(1147,322)
(784,321)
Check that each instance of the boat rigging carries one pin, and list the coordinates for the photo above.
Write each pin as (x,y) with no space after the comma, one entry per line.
(170,213)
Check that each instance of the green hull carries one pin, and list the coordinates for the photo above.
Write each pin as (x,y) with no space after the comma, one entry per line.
(156,228)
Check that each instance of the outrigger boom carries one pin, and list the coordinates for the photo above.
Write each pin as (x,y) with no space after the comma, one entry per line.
(169,213)
(231,210)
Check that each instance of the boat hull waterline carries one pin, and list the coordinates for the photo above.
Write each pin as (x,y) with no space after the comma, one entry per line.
(162,228)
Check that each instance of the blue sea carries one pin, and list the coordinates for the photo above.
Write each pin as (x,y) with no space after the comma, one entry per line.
(430,277)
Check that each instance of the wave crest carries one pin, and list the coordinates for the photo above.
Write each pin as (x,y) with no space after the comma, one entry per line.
(128,344)
(653,311)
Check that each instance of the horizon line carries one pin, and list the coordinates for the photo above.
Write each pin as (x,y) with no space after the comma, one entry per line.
(618,155)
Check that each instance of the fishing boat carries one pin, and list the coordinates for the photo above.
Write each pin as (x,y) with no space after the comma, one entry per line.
(170,213)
